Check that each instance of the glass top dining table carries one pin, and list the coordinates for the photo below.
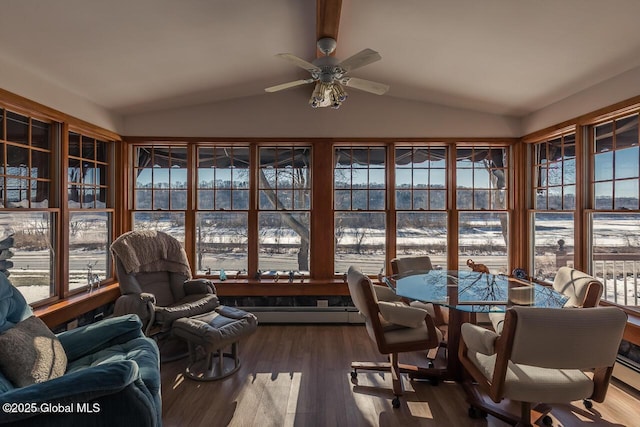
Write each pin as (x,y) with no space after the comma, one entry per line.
(473,292)
(468,293)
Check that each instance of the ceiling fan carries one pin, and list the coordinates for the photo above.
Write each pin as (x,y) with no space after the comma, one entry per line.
(331,75)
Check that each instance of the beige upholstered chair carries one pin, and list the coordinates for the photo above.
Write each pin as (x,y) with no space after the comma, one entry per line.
(541,357)
(582,289)
(395,327)
(155,281)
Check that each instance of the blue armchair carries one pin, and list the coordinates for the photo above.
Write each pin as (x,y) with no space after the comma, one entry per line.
(112,375)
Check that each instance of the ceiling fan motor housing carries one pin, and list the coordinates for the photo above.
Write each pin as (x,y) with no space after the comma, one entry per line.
(329,69)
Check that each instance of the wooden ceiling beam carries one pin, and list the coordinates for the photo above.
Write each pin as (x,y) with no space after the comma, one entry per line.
(327,19)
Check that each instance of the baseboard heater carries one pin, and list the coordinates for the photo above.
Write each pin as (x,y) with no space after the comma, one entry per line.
(627,372)
(306,314)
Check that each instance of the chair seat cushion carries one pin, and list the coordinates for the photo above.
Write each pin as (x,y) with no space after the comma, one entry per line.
(534,384)
(191,305)
(140,350)
(216,329)
(398,335)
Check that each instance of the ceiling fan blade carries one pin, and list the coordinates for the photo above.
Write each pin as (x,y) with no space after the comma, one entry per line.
(298,62)
(360,59)
(365,85)
(288,85)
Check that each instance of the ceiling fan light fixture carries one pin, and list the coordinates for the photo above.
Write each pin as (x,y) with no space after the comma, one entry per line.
(327,95)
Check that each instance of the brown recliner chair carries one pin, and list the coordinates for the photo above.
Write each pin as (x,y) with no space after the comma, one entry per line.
(155,281)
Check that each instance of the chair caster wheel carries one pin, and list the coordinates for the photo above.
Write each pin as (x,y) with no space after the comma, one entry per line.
(354,375)
(396,402)
(546,420)
(587,403)
(430,364)
(476,413)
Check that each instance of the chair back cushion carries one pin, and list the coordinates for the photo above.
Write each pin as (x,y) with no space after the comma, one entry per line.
(417,264)
(359,284)
(575,284)
(565,338)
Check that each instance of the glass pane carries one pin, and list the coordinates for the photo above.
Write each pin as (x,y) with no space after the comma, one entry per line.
(143,199)
(221,242)
(283,242)
(223,178)
(88,148)
(342,179)
(569,172)
(403,200)
(267,200)
(437,178)
(553,242)
(88,248)
(421,199)
(554,173)
(178,199)
(205,199)
(377,199)
(285,199)
(616,256)
(603,169)
(39,164)
(626,194)
(360,178)
(541,199)
(483,238)
(223,199)
(360,240)
(40,132)
(342,200)
(464,199)
(170,222)
(423,233)
(161,199)
(17,160)
(403,178)
(143,177)
(178,177)
(101,151)
(437,199)
(555,198)
(377,178)
(240,199)
(17,128)
(604,137)
(420,178)
(604,195)
(74,144)
(33,259)
(360,199)
(626,132)
(481,199)
(205,177)
(569,197)
(627,162)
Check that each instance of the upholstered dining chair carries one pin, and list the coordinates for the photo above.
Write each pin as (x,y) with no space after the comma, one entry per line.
(543,356)
(422,264)
(395,328)
(155,281)
(582,290)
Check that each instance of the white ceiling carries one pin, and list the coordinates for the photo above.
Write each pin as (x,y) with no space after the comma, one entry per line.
(508,57)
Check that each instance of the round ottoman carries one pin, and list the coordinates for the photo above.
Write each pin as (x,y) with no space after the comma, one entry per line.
(213,332)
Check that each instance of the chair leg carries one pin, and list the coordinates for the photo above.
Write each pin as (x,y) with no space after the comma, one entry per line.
(525,415)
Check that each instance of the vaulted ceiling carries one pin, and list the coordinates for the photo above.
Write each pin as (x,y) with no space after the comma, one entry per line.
(497,56)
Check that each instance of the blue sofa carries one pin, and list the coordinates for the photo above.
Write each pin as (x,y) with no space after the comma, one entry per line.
(112,376)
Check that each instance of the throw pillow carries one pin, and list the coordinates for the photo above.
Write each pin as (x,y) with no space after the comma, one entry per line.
(30,353)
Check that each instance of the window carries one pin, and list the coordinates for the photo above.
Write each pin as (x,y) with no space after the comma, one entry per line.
(481,201)
(421,203)
(90,219)
(615,218)
(284,204)
(160,192)
(554,185)
(222,209)
(26,180)
(359,204)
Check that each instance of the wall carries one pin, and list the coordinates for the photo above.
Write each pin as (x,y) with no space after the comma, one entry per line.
(287,114)
(609,92)
(36,88)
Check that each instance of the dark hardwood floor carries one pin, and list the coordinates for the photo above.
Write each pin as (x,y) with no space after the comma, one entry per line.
(299,375)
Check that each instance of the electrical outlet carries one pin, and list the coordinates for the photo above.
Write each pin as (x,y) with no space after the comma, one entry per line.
(322,303)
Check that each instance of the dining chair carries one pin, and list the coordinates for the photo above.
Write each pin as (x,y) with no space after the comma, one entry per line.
(395,328)
(543,356)
(583,291)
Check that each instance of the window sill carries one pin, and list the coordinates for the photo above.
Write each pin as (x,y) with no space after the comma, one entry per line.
(63,311)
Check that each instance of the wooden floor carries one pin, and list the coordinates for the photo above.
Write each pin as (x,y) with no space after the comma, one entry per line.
(299,375)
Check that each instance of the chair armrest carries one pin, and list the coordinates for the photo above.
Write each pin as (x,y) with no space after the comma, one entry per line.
(80,386)
(96,336)
(199,286)
(479,339)
(401,314)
